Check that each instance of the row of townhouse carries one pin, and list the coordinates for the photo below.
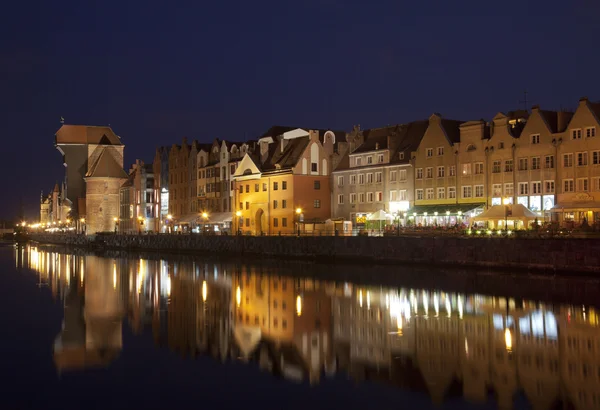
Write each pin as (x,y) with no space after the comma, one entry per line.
(263,186)
(433,171)
(443,171)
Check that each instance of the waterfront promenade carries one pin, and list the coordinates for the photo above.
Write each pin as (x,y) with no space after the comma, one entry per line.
(563,255)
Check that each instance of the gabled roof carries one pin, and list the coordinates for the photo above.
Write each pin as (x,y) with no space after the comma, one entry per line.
(106,166)
(452,129)
(595,107)
(293,150)
(376,138)
(276,130)
(86,134)
(410,136)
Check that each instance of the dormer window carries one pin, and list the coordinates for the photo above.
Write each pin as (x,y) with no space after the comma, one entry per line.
(470,147)
(576,134)
(369,160)
(358,161)
(401,155)
(535,138)
(500,145)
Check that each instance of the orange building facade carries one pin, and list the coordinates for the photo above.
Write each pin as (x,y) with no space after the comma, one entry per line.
(285,187)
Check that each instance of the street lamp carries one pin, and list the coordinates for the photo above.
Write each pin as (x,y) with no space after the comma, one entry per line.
(205,217)
(238,215)
(116,220)
(298,213)
(141,221)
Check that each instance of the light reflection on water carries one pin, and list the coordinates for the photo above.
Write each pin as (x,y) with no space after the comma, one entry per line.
(442,343)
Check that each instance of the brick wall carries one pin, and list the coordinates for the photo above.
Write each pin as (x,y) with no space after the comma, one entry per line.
(566,255)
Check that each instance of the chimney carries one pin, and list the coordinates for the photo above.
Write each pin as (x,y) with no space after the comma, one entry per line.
(283,143)
(264,150)
(184,141)
(535,108)
(583,99)
(377,145)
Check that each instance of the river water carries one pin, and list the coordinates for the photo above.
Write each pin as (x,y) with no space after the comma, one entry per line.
(154,331)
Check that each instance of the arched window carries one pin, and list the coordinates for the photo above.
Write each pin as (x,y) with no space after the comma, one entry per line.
(470,147)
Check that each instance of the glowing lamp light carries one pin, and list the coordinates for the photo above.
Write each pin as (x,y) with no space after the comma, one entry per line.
(204,215)
(169,216)
(238,213)
(204,291)
(424,213)
(298,305)
(238,296)
(298,211)
(435,213)
(115,219)
(508,339)
(447,213)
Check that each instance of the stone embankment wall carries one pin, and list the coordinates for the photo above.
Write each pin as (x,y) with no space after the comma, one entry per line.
(567,255)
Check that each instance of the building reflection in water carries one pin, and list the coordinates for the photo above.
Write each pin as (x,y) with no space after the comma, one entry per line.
(444,344)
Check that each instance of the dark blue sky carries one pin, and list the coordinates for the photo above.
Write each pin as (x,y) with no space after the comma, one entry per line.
(157,71)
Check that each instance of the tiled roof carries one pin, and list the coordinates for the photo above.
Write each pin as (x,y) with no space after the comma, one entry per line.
(403,137)
(293,150)
(410,136)
(452,128)
(86,134)
(376,138)
(595,107)
(106,166)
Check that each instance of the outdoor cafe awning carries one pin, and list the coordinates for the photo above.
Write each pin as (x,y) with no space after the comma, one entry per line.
(217,218)
(443,209)
(187,219)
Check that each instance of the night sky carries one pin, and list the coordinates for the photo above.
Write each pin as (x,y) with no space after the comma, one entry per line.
(159,71)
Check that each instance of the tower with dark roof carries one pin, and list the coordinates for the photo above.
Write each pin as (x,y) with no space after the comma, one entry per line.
(93,158)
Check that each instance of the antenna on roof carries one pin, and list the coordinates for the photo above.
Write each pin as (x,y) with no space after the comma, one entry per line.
(524,101)
(62,120)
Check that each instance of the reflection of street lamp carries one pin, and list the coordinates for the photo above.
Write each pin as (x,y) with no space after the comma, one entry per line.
(238,215)
(508,340)
(141,222)
(169,218)
(82,222)
(298,305)
(298,213)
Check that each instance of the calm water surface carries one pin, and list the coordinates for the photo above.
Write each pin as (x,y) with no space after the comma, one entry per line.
(115,331)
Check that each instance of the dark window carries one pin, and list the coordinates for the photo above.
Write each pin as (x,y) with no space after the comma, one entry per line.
(317,184)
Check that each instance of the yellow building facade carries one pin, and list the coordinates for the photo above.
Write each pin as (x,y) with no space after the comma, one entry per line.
(578,197)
